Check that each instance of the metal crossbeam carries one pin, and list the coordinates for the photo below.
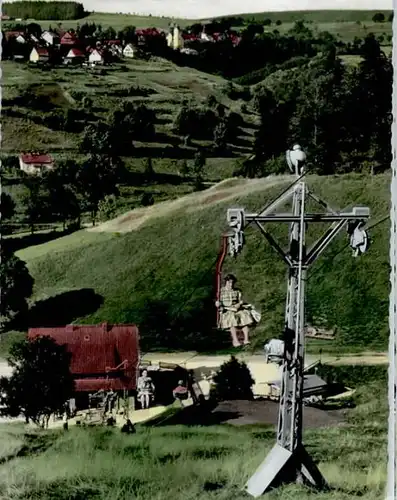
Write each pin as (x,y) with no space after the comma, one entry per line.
(286,217)
(288,460)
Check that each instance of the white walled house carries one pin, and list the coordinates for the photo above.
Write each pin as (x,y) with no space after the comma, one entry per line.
(20,39)
(129,50)
(35,163)
(39,54)
(96,57)
(74,56)
(50,38)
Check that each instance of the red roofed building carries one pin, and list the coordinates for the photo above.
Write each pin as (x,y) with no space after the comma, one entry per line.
(69,39)
(35,163)
(103,356)
(74,56)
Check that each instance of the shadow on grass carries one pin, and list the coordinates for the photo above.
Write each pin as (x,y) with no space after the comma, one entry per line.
(192,416)
(62,309)
(28,240)
(34,444)
(141,179)
(175,152)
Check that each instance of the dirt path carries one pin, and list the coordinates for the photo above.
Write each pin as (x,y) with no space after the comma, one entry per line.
(220,192)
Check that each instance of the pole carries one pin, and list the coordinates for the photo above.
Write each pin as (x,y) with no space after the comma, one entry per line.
(391,491)
(290,411)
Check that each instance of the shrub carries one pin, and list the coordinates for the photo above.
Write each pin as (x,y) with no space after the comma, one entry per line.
(233,381)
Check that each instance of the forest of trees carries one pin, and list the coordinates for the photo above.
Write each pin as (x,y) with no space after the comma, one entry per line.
(44,10)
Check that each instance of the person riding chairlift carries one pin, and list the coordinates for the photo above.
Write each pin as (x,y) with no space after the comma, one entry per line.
(234,313)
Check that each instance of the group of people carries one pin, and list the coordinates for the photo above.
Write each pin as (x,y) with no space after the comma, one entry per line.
(146,390)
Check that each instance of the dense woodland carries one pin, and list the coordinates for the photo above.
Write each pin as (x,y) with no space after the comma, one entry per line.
(43,10)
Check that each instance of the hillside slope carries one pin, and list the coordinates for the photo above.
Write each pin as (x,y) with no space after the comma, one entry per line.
(160,272)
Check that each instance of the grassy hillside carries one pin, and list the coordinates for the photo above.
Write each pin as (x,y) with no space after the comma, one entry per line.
(159,84)
(160,262)
(191,462)
(118,21)
(316,16)
(347,23)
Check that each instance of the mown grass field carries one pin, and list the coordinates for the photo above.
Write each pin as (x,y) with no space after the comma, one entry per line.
(167,254)
(200,463)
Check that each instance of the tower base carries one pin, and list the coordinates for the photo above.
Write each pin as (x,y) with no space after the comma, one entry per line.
(283,466)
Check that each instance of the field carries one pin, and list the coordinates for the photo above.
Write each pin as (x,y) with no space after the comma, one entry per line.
(345,24)
(138,264)
(119,21)
(314,16)
(175,461)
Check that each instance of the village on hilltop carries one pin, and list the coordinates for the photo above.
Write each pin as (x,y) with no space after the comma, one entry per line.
(91,47)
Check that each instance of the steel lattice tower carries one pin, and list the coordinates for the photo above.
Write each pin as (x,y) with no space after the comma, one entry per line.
(288,460)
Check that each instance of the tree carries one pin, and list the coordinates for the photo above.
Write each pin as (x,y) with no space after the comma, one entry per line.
(35,200)
(221,136)
(130,123)
(97,177)
(41,381)
(185,169)
(147,200)
(379,17)
(98,139)
(127,35)
(107,207)
(16,285)
(267,22)
(233,381)
(63,201)
(149,170)
(7,207)
(198,167)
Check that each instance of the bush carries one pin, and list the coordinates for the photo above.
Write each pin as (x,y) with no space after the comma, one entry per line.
(233,381)
(379,17)
(147,200)
(107,207)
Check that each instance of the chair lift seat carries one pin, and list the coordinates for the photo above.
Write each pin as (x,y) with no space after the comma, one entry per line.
(274,350)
